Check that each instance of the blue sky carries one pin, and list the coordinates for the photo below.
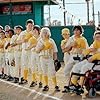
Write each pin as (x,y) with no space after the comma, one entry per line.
(78,10)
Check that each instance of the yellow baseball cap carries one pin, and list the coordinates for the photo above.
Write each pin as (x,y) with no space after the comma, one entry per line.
(65,31)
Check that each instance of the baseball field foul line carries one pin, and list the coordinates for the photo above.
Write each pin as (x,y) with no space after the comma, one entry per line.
(31,90)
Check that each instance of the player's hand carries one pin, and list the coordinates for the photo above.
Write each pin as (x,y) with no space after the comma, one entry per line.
(93,50)
(13,44)
(24,40)
(13,63)
(73,44)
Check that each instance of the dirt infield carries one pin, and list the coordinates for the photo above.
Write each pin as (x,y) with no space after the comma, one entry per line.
(11,91)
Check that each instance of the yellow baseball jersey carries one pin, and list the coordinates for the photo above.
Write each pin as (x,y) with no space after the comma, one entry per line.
(63,42)
(2,43)
(7,40)
(81,44)
(28,35)
(25,35)
(48,47)
(86,52)
(12,40)
(96,56)
(95,45)
(19,46)
(32,40)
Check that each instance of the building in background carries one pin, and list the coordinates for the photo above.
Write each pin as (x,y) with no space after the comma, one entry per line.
(14,12)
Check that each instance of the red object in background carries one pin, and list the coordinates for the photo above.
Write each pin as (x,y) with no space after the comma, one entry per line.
(18,9)
(5,9)
(28,8)
(22,8)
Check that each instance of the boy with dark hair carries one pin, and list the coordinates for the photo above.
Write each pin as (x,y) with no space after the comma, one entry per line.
(75,45)
(23,40)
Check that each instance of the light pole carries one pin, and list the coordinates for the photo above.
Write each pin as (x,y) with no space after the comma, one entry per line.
(10,13)
(87,1)
(98,17)
(49,13)
(64,13)
(93,14)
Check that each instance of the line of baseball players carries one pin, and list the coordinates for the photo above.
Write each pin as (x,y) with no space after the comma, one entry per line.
(34,49)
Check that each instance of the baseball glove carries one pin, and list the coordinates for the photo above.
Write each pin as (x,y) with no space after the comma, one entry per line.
(57,65)
(13,63)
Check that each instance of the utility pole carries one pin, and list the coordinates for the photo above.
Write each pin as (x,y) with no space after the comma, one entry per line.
(10,12)
(49,13)
(87,1)
(98,17)
(93,14)
(64,13)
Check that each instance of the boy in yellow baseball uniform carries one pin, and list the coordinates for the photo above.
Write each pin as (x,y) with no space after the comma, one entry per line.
(26,53)
(47,50)
(85,65)
(10,51)
(35,61)
(7,44)
(2,54)
(66,36)
(17,54)
(76,44)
